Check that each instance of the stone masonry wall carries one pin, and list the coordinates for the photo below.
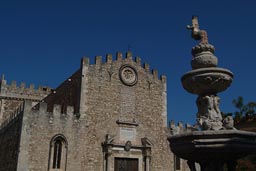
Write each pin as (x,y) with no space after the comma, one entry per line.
(108,100)
(104,103)
(7,107)
(13,95)
(41,127)
(9,143)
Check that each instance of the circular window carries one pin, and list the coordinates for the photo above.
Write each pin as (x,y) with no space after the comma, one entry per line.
(128,75)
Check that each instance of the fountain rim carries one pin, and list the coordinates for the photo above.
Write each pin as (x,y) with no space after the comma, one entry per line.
(221,145)
(207,70)
(212,133)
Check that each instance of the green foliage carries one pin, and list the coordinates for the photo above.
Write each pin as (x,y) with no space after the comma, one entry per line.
(244,111)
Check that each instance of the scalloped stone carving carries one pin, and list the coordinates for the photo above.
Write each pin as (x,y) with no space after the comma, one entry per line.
(128,75)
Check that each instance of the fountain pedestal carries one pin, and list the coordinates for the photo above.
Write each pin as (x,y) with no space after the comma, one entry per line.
(217,142)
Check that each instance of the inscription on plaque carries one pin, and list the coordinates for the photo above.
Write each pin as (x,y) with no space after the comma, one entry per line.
(128,100)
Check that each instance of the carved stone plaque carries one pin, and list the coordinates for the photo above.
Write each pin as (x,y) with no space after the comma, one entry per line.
(127,134)
(128,75)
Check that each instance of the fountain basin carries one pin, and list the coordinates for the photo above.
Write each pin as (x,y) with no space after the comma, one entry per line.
(207,80)
(205,146)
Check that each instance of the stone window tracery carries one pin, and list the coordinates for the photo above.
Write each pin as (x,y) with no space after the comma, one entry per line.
(58,153)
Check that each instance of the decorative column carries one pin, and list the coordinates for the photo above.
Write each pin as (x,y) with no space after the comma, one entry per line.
(146,143)
(107,151)
(147,156)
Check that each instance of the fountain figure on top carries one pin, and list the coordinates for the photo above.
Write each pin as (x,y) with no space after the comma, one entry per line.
(206,80)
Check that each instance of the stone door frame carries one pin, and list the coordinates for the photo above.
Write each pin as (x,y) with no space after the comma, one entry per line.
(112,151)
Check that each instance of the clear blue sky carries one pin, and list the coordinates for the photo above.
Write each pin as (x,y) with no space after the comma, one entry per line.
(42,41)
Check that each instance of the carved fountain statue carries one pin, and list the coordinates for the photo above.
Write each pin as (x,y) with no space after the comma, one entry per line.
(217,142)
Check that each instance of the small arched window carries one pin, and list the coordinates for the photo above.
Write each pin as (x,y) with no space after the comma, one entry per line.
(58,153)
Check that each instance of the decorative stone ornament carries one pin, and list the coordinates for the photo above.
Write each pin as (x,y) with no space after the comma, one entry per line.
(203,56)
(206,80)
(218,142)
(128,146)
(128,75)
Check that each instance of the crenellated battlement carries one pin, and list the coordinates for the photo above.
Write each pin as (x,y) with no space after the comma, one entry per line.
(21,91)
(42,107)
(179,128)
(59,113)
(119,58)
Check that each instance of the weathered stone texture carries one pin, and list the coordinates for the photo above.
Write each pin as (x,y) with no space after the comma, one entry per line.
(13,95)
(101,105)
(9,144)
(43,127)
(110,100)
(21,91)
(7,108)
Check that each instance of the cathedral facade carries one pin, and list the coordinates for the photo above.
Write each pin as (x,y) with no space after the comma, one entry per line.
(107,116)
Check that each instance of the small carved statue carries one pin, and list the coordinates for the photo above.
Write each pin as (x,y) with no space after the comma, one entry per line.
(209,116)
(198,34)
(208,106)
(228,123)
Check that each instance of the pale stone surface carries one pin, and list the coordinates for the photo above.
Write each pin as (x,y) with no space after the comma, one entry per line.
(207,80)
(99,115)
(12,96)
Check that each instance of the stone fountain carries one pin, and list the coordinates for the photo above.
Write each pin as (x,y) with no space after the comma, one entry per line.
(216,142)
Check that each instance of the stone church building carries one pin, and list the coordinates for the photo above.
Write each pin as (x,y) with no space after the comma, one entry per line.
(107,116)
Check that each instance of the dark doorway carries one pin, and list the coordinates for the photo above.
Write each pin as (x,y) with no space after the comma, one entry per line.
(126,164)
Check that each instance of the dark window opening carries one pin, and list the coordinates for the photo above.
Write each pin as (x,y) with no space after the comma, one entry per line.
(126,164)
(177,163)
(57,154)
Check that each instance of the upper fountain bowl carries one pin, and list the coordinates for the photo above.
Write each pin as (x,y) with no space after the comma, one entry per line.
(210,80)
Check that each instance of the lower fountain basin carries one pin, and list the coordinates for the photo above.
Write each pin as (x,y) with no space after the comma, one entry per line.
(222,145)
(207,80)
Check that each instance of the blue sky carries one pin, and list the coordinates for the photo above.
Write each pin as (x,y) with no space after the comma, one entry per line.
(41,42)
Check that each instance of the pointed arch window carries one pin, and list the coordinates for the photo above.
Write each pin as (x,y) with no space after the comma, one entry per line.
(58,153)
